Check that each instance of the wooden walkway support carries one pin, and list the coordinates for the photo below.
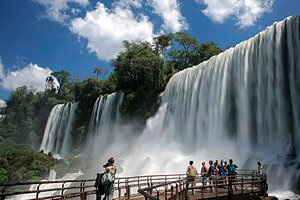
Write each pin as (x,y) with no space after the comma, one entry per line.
(170,186)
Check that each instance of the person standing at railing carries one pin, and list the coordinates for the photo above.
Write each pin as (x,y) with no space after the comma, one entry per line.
(204,171)
(191,173)
(259,168)
(231,168)
(211,174)
(110,168)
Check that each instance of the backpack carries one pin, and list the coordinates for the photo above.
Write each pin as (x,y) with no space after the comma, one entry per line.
(106,178)
(231,169)
(100,190)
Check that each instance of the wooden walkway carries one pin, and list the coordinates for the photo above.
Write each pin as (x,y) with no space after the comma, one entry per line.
(155,187)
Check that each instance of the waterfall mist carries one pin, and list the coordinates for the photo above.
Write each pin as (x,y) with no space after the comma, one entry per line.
(243,104)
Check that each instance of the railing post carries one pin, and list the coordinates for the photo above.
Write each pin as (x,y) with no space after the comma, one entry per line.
(166,191)
(119,189)
(176,191)
(62,188)
(252,183)
(216,190)
(243,186)
(127,188)
(83,196)
(37,193)
(2,194)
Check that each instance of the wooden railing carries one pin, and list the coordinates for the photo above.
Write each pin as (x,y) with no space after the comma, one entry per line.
(247,182)
(171,186)
(125,187)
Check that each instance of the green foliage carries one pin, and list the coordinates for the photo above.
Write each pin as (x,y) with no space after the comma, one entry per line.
(62,77)
(137,71)
(20,163)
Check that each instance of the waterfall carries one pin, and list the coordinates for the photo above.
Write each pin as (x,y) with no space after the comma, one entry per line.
(57,135)
(243,104)
(104,122)
(247,95)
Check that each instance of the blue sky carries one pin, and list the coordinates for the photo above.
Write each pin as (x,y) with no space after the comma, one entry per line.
(41,36)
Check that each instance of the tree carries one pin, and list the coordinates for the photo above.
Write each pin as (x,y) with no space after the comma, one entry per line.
(62,77)
(184,51)
(137,72)
(138,67)
(162,42)
(51,87)
(208,49)
(99,71)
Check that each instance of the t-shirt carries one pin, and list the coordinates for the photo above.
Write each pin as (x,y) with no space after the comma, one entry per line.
(192,171)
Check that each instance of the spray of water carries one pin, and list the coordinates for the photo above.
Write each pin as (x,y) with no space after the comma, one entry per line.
(242,104)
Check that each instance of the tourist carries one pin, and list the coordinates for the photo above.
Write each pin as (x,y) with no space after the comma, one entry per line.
(259,168)
(191,173)
(211,173)
(204,171)
(110,168)
(231,168)
(217,171)
(222,168)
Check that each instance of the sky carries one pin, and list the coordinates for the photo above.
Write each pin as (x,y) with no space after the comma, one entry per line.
(38,37)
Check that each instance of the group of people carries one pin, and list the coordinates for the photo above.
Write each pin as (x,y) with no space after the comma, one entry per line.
(221,169)
(214,169)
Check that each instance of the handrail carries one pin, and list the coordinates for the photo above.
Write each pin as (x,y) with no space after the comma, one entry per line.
(243,181)
(124,185)
(171,184)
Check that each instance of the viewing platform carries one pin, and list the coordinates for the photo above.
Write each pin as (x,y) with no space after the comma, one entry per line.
(247,184)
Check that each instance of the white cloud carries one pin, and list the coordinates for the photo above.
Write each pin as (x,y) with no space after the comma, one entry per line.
(169,11)
(106,29)
(32,76)
(56,10)
(246,12)
(2,104)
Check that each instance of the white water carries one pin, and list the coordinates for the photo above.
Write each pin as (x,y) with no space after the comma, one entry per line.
(283,195)
(57,135)
(242,104)
(104,123)
(52,177)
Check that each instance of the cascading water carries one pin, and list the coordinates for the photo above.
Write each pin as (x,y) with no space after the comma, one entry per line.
(57,135)
(104,122)
(242,104)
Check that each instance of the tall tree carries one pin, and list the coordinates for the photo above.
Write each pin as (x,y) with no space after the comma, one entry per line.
(137,72)
(100,72)
(184,51)
(162,42)
(62,77)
